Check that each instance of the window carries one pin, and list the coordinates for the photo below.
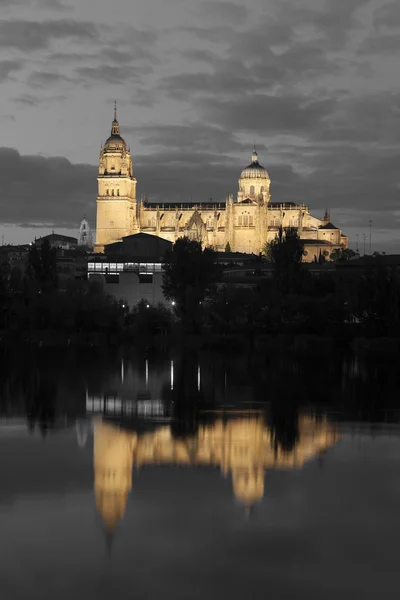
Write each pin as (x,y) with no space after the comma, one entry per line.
(246,221)
(108,192)
(112,192)
(240,221)
(252,190)
(251,221)
(262,189)
(117,192)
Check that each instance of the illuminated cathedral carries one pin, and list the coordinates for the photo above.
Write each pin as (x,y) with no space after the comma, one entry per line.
(242,224)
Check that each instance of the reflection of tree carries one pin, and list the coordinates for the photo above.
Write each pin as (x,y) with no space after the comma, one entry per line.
(283,420)
(41,408)
(186,396)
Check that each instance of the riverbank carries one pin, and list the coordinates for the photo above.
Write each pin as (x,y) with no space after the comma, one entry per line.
(264,344)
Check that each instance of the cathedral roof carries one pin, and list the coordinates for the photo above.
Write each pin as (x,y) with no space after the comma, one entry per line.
(328,226)
(254,170)
(115,142)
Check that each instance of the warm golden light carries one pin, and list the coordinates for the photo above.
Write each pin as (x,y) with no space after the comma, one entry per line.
(243,447)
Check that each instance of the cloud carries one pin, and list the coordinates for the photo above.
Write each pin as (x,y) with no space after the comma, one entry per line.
(36,189)
(55,5)
(376,44)
(387,16)
(28,100)
(46,79)
(7,67)
(113,75)
(266,113)
(222,12)
(187,139)
(29,36)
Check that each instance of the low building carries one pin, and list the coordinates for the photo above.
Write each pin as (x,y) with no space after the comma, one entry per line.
(15,256)
(57,240)
(131,270)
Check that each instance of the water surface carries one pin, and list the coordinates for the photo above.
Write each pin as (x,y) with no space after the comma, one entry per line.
(198,477)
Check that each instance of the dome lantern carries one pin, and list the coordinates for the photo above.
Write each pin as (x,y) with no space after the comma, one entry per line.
(115,143)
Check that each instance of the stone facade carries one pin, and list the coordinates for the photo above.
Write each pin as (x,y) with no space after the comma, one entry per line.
(245,223)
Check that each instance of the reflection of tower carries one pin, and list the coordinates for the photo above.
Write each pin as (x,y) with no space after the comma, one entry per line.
(81,432)
(244,450)
(113,456)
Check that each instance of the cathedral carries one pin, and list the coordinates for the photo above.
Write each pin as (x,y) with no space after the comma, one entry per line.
(242,224)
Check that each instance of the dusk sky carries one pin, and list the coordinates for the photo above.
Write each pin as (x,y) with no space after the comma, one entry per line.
(314,83)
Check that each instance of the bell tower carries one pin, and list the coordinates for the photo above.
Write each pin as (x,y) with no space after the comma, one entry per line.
(116,198)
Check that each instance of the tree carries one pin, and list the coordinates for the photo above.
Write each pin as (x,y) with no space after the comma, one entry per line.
(189,273)
(42,267)
(228,247)
(286,253)
(342,254)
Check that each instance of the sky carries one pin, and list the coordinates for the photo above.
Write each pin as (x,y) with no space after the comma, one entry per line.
(314,84)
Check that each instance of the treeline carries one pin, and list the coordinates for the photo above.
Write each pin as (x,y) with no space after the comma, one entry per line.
(32,301)
(291,301)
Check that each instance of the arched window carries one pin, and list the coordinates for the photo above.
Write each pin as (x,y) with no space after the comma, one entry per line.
(112,192)
(251,221)
(246,221)
(252,190)
(108,192)
(262,189)
(240,221)
(117,192)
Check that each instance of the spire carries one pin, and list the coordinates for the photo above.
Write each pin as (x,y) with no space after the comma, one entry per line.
(115,125)
(254,156)
(327,216)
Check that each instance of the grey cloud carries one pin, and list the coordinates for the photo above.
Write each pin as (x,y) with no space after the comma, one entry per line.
(35,35)
(187,139)
(224,83)
(28,100)
(45,79)
(144,97)
(380,44)
(388,16)
(45,190)
(55,5)
(224,12)
(204,56)
(264,113)
(114,75)
(371,118)
(7,67)
(210,34)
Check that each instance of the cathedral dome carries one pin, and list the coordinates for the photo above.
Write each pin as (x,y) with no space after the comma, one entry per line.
(115,142)
(254,170)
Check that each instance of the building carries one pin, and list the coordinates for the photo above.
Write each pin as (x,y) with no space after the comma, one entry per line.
(131,270)
(57,240)
(15,256)
(245,224)
(85,235)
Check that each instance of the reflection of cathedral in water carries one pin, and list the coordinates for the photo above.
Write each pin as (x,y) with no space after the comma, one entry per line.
(242,448)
